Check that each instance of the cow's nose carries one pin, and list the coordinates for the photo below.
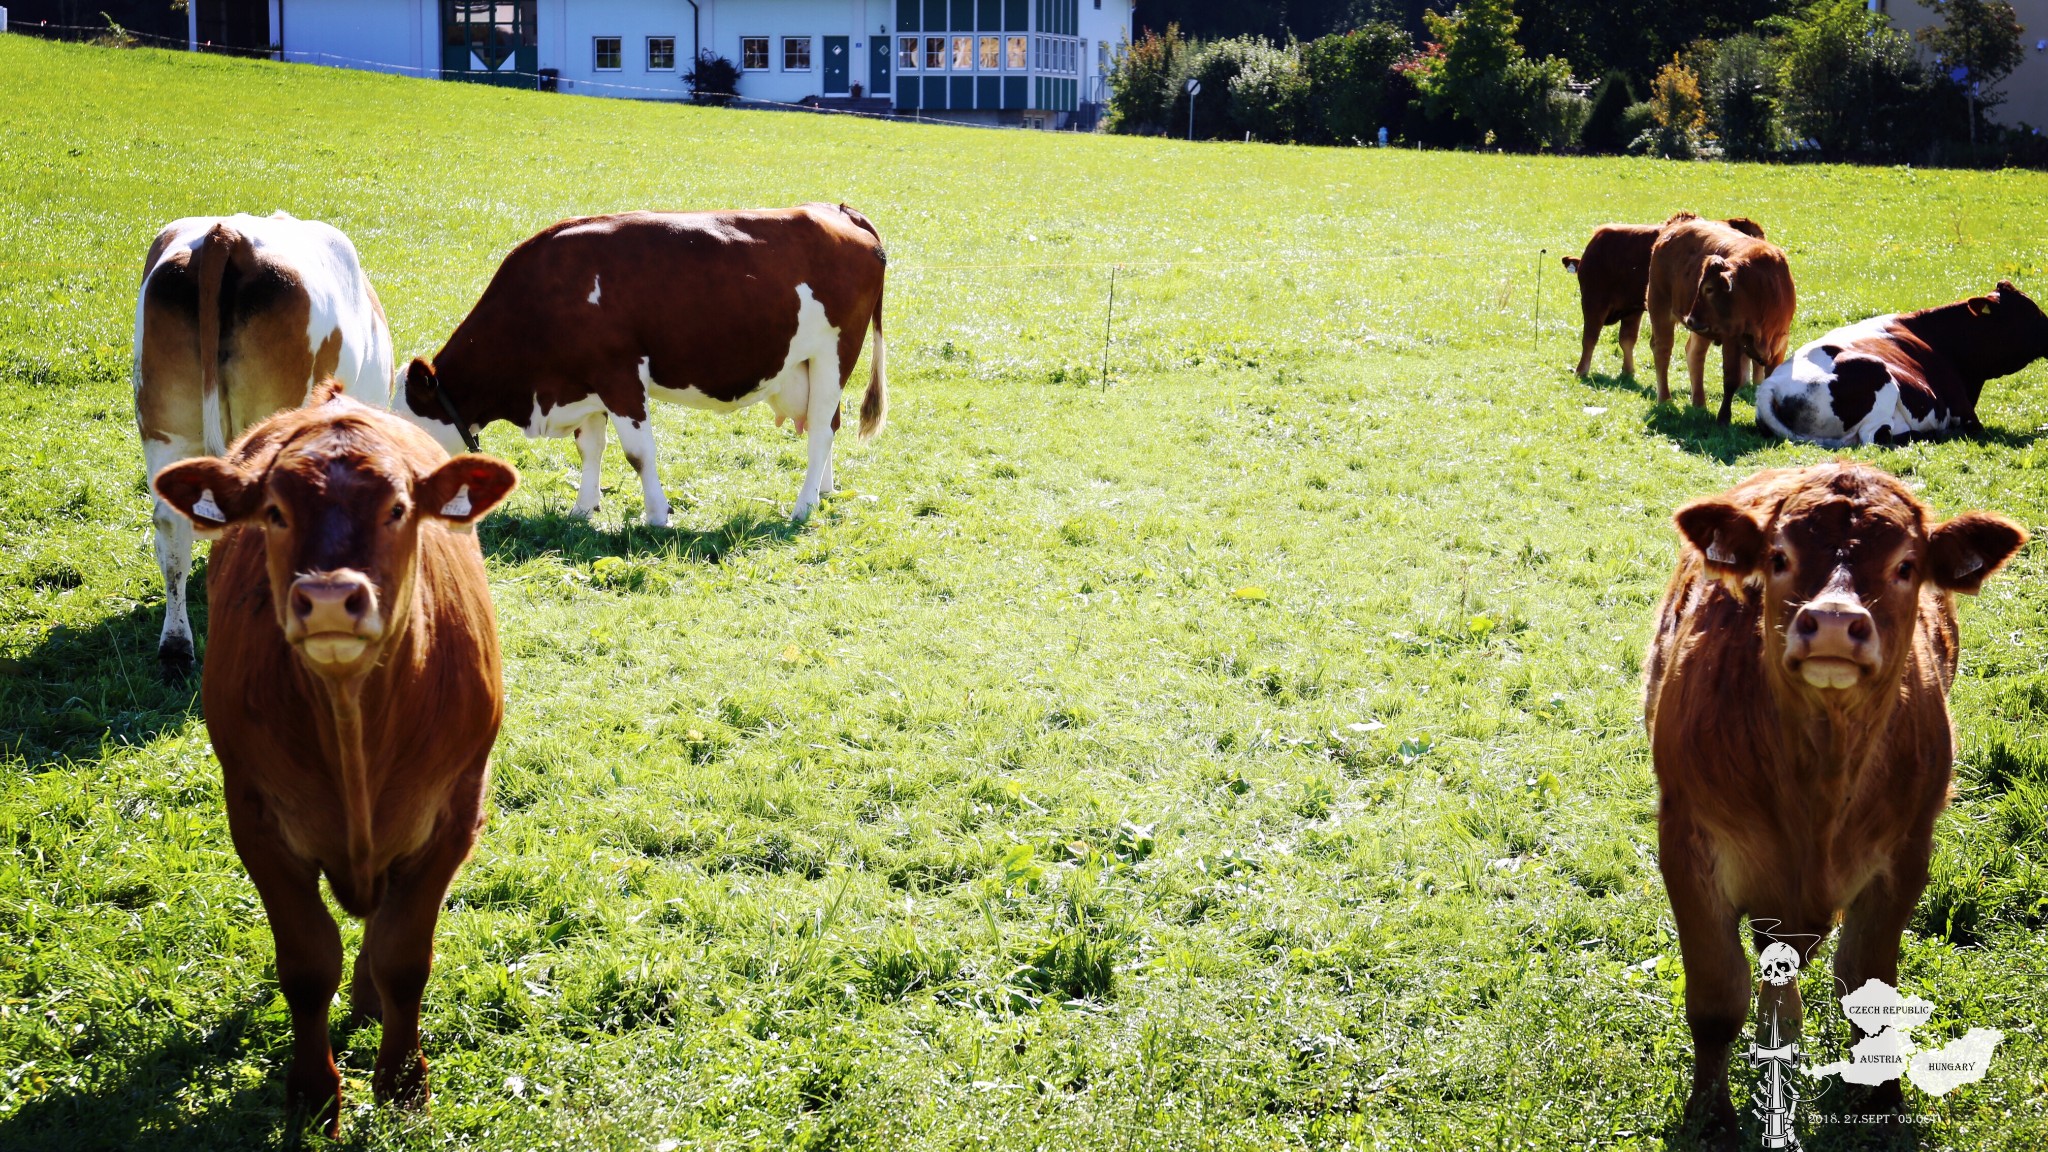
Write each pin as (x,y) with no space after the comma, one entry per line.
(337,602)
(1833,625)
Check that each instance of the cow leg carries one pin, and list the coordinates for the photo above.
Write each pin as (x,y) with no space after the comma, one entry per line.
(822,413)
(1588,341)
(174,648)
(1716,977)
(637,438)
(1661,327)
(308,956)
(1630,325)
(1731,378)
(590,444)
(398,945)
(1869,949)
(1758,371)
(1696,347)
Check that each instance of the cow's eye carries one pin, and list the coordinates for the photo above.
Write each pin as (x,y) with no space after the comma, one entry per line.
(1906,571)
(1780,562)
(274,515)
(397,513)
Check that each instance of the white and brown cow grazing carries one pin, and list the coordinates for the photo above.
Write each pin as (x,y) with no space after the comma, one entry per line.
(1889,378)
(352,692)
(597,317)
(1797,707)
(238,316)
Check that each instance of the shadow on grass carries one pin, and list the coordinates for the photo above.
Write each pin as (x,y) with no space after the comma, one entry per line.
(149,1104)
(1696,431)
(1616,382)
(514,540)
(81,687)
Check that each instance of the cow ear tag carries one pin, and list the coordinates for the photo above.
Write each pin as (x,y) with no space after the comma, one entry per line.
(1718,554)
(204,506)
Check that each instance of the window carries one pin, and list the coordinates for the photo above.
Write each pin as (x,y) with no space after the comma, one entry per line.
(963,53)
(1017,52)
(796,53)
(754,53)
(934,53)
(606,49)
(494,32)
(661,53)
(906,52)
(991,52)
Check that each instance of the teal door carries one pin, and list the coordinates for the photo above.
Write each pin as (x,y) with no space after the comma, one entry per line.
(878,66)
(490,41)
(838,64)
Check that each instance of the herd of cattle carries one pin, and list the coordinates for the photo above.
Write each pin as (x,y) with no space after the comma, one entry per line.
(1797,698)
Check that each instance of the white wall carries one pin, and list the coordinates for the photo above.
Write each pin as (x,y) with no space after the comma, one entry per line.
(401,36)
(725,23)
(1110,24)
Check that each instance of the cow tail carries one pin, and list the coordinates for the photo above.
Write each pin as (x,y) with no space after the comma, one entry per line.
(220,245)
(874,407)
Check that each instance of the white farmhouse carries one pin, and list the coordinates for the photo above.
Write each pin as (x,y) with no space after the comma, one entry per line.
(1040,63)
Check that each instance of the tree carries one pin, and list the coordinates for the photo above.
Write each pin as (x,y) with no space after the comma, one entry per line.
(1603,132)
(1350,90)
(713,80)
(1269,95)
(1146,81)
(1740,95)
(1979,42)
(1486,82)
(1851,83)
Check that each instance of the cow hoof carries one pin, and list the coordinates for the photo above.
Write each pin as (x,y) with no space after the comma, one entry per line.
(174,659)
(1710,1119)
(403,1085)
(582,513)
(315,1097)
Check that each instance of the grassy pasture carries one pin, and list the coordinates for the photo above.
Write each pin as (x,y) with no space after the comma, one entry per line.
(1240,752)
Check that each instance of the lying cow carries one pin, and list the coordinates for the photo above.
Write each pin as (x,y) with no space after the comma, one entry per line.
(1797,708)
(595,318)
(1893,377)
(352,692)
(237,317)
(1614,280)
(1728,288)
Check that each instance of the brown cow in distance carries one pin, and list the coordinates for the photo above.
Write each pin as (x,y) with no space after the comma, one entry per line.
(1797,707)
(1614,280)
(1728,288)
(594,319)
(352,692)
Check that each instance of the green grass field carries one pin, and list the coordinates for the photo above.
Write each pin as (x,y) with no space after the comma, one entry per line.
(1241,752)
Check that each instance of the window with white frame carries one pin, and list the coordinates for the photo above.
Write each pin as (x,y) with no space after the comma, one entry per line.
(1018,58)
(754,53)
(963,53)
(606,53)
(991,53)
(934,53)
(796,53)
(906,53)
(661,53)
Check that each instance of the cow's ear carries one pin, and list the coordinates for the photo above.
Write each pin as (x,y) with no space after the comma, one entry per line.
(1727,536)
(210,492)
(1981,305)
(2005,286)
(418,383)
(1965,551)
(1571,264)
(464,489)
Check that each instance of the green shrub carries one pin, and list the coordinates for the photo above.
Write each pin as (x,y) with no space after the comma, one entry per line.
(1147,79)
(1853,86)
(1604,131)
(1269,97)
(1353,89)
(1741,95)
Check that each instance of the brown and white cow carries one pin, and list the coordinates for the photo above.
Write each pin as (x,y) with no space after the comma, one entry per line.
(237,317)
(1797,707)
(1890,378)
(1614,280)
(596,318)
(352,692)
(1728,288)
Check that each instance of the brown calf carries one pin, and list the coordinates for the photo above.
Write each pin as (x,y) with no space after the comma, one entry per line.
(1797,708)
(1614,279)
(1728,288)
(352,692)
